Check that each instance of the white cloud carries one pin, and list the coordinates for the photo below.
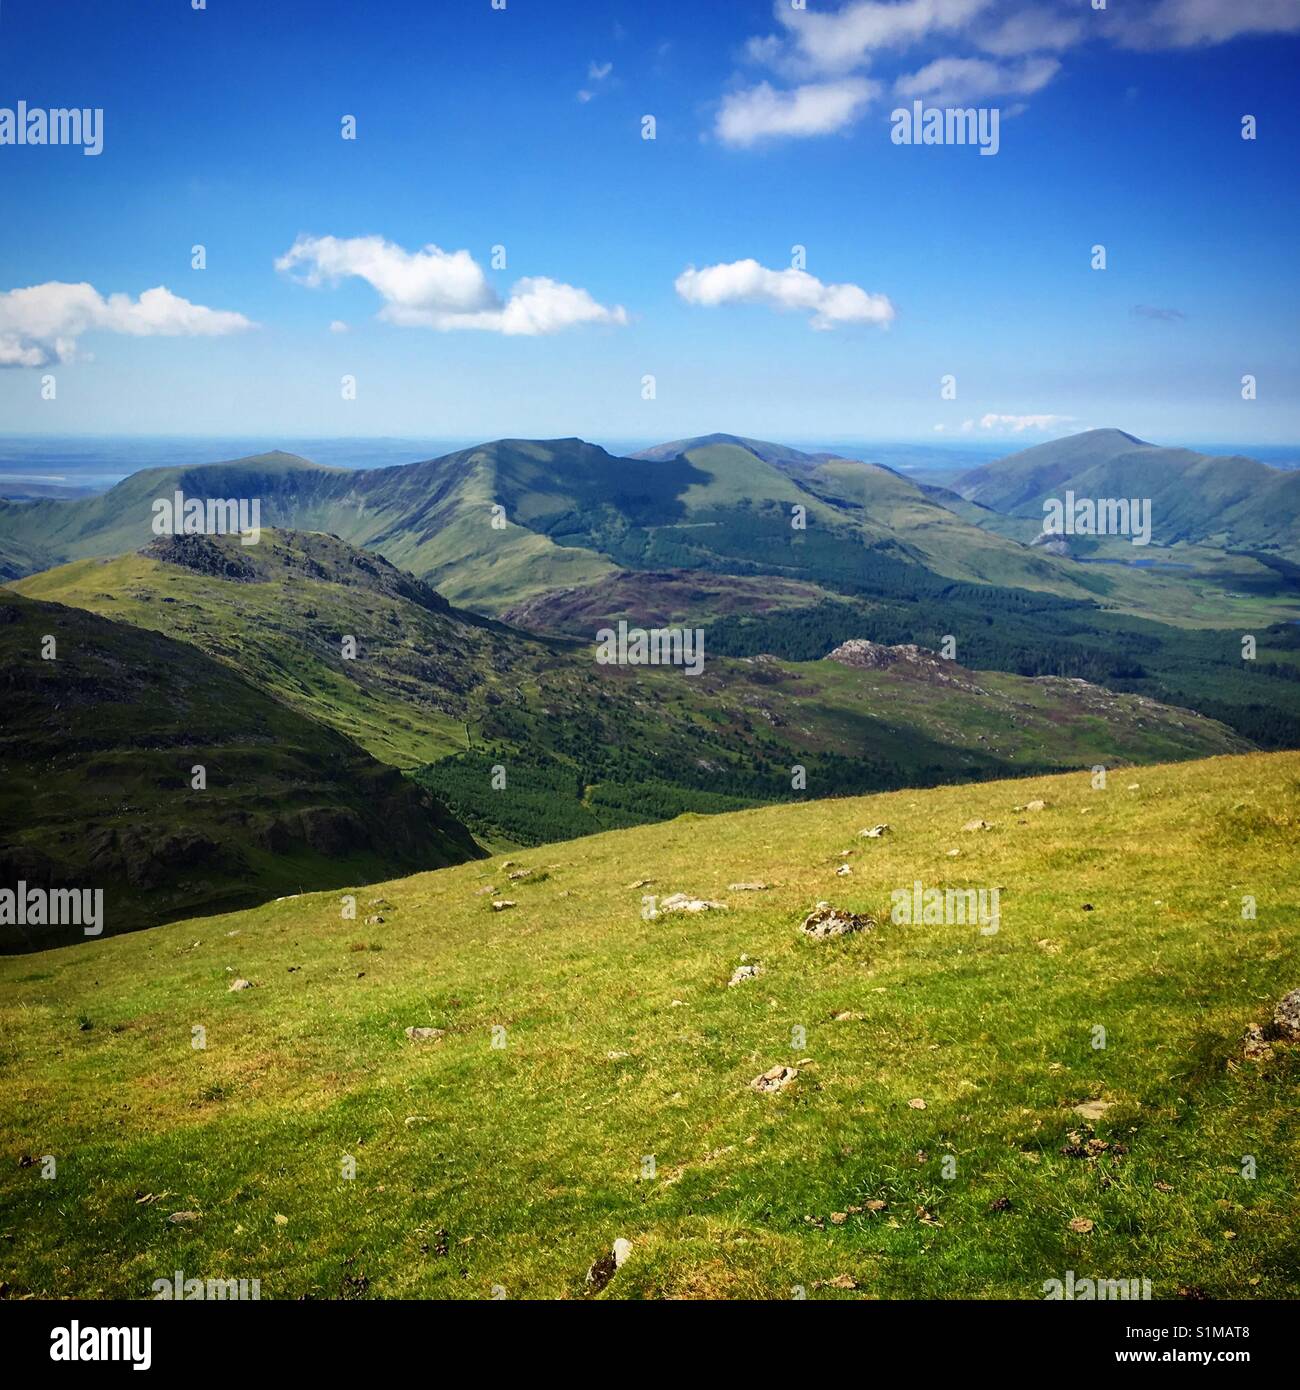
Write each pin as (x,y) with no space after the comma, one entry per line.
(338,326)
(762,112)
(1032,31)
(42,323)
(1015,424)
(442,290)
(953,80)
(825,54)
(748,282)
(841,40)
(1193,23)
(596,74)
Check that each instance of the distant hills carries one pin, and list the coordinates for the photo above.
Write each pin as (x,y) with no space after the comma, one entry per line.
(568,514)
(1233,502)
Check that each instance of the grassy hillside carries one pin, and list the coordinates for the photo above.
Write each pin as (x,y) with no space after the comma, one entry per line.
(587,747)
(97,751)
(618,1102)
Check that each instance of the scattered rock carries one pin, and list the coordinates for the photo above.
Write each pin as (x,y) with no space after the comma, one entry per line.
(843,870)
(1254,1046)
(239,984)
(487,888)
(848,1017)
(978,825)
(743,973)
(1048,946)
(841,1281)
(874,833)
(824,921)
(916,1103)
(374,921)
(777,1079)
(617,1056)
(183,1218)
(1035,806)
(747,887)
(1286,1017)
(502,904)
(1091,1109)
(953,853)
(1080,1225)
(1000,1204)
(426,1034)
(519,874)
(683,902)
(876,1204)
(640,883)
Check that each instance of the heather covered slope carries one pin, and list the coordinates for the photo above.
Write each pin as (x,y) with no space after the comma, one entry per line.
(928,1146)
(97,755)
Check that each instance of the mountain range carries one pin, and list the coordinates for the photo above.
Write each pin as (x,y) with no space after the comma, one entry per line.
(400,672)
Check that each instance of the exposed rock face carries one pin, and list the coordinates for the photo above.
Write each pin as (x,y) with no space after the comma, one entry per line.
(825,920)
(919,662)
(203,555)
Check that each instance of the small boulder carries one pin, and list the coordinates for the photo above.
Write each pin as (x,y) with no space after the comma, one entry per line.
(978,824)
(239,984)
(374,921)
(425,1034)
(743,973)
(775,1079)
(825,920)
(874,833)
(683,902)
(1286,1017)
(746,887)
(1254,1046)
(501,904)
(1091,1109)
(843,871)
(1035,806)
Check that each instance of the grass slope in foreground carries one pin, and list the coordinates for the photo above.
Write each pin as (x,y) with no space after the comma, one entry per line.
(519,1165)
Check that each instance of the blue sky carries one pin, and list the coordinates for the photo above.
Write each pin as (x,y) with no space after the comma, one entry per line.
(222,127)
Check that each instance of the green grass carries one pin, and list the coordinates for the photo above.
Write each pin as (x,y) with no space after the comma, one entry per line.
(517,1166)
